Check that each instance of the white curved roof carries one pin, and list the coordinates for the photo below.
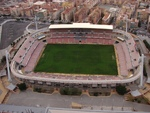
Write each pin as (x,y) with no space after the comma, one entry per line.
(81,25)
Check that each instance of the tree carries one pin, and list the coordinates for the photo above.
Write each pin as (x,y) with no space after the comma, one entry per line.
(149,29)
(121,89)
(70,91)
(146,44)
(95,94)
(149,62)
(102,15)
(139,24)
(144,71)
(3,60)
(22,86)
(13,44)
(37,90)
(52,22)
(147,6)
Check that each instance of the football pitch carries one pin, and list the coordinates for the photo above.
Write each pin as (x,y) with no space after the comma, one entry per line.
(78,59)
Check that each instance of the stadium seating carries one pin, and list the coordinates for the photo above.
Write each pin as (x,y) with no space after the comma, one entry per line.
(24,50)
(29,53)
(122,60)
(34,56)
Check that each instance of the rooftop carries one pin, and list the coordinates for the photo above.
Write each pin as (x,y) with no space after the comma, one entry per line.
(39,3)
(81,25)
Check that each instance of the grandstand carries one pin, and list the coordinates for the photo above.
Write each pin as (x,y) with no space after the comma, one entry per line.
(127,57)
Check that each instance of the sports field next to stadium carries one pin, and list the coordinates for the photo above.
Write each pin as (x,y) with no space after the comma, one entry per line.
(78,59)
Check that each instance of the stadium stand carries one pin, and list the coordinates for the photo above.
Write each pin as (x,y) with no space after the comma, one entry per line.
(34,56)
(27,56)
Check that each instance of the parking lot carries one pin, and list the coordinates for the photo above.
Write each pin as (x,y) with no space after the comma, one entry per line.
(2,20)
(10,32)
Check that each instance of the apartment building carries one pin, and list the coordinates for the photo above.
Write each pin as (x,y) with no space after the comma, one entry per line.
(81,14)
(107,18)
(128,9)
(119,2)
(67,5)
(79,2)
(53,10)
(121,21)
(55,13)
(142,14)
(115,2)
(16,11)
(41,14)
(95,16)
(67,15)
(29,11)
(133,23)
(39,4)
(5,11)
(90,3)
(59,1)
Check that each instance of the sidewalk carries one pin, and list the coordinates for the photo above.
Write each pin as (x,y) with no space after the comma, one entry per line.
(3,92)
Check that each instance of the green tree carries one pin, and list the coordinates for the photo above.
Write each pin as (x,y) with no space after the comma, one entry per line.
(102,15)
(13,44)
(95,94)
(144,71)
(149,62)
(121,89)
(3,60)
(149,29)
(70,91)
(52,22)
(147,44)
(22,86)
(139,24)
(147,6)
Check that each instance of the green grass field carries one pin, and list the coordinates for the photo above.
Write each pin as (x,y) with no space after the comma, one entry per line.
(78,59)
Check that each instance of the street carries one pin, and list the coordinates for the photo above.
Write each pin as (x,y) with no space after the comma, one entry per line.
(33,99)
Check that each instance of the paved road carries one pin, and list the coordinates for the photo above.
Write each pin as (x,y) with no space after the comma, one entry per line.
(29,98)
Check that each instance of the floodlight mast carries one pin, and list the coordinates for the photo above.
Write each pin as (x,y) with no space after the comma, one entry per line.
(126,25)
(36,26)
(7,63)
(141,77)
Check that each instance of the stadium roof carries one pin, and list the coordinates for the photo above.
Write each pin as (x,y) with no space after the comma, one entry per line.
(81,25)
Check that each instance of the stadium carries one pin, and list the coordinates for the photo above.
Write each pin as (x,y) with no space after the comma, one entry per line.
(78,55)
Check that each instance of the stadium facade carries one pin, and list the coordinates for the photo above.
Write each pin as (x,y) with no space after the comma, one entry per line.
(129,63)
